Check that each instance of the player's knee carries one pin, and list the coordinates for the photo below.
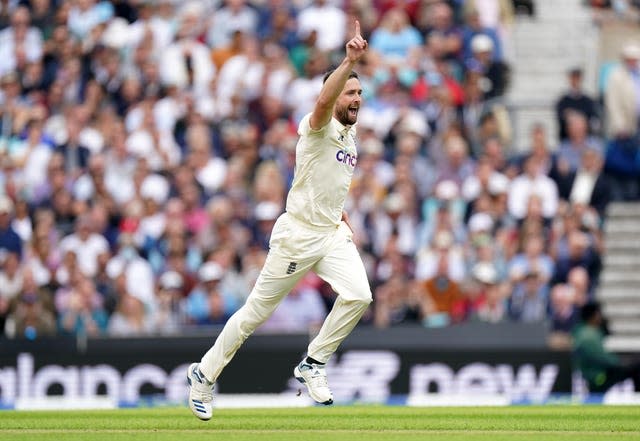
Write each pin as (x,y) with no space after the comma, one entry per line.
(365,298)
(254,314)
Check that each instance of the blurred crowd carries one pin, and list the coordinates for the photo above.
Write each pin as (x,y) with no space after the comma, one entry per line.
(146,148)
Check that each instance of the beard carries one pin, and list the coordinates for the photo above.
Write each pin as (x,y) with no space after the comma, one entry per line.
(345,117)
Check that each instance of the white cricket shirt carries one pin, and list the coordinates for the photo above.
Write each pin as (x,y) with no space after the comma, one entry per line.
(325,161)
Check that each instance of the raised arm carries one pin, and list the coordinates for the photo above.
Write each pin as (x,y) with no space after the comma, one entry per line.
(323,110)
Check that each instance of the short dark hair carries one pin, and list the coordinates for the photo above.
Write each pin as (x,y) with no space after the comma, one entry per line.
(352,74)
(589,310)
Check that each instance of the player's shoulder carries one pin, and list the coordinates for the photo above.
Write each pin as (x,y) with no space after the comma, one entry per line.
(304,128)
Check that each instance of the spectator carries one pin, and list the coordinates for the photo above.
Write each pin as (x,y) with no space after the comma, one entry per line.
(621,98)
(587,186)
(33,156)
(130,318)
(578,140)
(79,308)
(474,26)
(621,95)
(327,20)
(575,99)
(86,15)
(528,301)
(563,308)
(391,305)
(86,244)
(532,260)
(444,297)
(494,74)
(185,63)
(235,15)
(577,249)
(480,297)
(206,305)
(9,240)
(137,272)
(395,37)
(20,43)
(437,23)
(75,155)
(32,314)
(168,317)
(533,183)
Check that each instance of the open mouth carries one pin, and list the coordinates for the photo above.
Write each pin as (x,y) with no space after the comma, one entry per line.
(353,112)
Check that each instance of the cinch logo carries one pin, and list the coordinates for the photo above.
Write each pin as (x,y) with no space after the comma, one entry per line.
(346,158)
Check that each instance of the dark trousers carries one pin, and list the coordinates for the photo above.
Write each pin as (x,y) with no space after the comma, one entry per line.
(615,375)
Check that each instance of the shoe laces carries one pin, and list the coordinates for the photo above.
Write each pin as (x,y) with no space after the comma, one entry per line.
(203,391)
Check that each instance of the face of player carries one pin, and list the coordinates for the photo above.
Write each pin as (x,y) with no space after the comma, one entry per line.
(348,103)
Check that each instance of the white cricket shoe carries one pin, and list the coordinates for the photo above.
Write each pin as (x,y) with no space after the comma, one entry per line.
(314,376)
(200,393)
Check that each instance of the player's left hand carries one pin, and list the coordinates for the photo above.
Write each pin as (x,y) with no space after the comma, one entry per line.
(345,219)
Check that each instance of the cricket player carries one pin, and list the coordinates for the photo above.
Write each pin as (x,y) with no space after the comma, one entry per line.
(313,234)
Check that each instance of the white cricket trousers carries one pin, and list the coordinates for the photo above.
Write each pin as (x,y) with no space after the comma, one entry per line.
(294,249)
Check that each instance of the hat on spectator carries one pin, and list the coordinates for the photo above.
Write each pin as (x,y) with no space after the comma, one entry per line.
(91,139)
(372,146)
(443,240)
(414,122)
(394,203)
(366,119)
(480,222)
(267,211)
(116,35)
(155,187)
(485,272)
(6,204)
(631,51)
(481,43)
(9,77)
(498,184)
(210,272)
(447,190)
(171,280)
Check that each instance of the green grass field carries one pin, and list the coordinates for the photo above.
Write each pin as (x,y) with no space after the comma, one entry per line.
(355,423)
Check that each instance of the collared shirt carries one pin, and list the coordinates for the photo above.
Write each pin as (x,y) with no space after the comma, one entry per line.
(325,161)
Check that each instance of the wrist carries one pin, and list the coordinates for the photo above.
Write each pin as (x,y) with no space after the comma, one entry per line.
(349,62)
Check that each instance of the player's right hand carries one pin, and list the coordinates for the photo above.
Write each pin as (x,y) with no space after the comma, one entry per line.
(357,46)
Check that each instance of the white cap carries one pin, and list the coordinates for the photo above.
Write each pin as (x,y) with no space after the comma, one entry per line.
(631,51)
(116,35)
(414,122)
(394,203)
(481,43)
(155,187)
(267,211)
(372,146)
(443,240)
(498,184)
(210,271)
(366,119)
(447,190)
(171,280)
(480,222)
(6,204)
(485,272)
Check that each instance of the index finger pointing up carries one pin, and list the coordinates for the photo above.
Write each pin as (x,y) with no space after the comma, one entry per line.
(358,29)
